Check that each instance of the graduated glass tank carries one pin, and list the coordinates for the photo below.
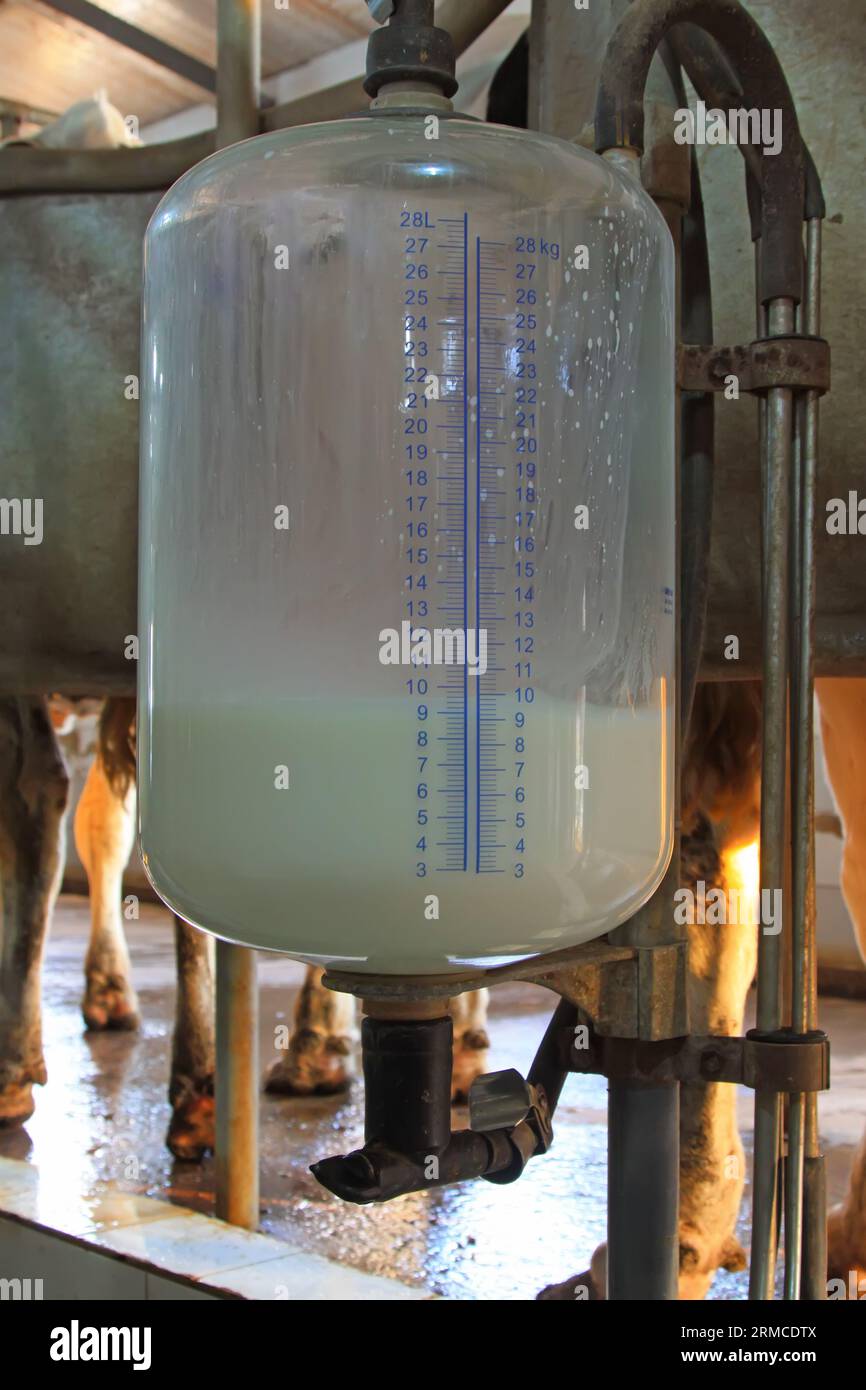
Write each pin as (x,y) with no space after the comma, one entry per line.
(407,545)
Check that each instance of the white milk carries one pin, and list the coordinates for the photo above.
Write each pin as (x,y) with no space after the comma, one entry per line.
(326,869)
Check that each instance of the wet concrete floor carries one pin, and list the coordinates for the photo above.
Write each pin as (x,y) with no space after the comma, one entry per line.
(103,1116)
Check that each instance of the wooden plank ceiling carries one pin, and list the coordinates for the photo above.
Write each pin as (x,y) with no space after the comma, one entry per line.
(49,60)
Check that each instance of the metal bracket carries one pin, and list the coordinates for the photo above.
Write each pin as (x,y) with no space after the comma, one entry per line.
(798,361)
(627,991)
(782,1061)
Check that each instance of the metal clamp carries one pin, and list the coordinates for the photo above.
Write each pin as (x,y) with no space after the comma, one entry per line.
(799,361)
(783,1061)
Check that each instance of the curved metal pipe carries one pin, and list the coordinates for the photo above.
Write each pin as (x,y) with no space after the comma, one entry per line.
(619,116)
(717,85)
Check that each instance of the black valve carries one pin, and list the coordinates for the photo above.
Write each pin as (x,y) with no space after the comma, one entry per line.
(409,48)
(409,1145)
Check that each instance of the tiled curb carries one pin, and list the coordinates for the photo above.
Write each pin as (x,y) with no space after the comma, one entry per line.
(116,1245)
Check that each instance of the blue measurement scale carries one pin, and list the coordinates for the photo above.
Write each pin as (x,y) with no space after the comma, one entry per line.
(471,405)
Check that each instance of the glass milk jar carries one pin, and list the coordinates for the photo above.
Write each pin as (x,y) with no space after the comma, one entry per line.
(407,545)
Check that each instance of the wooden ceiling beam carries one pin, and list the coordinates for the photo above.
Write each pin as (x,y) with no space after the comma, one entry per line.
(130,36)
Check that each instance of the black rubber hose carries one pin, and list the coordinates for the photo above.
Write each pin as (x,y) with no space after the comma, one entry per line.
(717,85)
(508,98)
(619,115)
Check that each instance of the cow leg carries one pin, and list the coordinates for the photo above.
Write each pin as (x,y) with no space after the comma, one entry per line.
(469,1014)
(722,961)
(34,791)
(191,1090)
(843,733)
(721,806)
(317,1059)
(104,834)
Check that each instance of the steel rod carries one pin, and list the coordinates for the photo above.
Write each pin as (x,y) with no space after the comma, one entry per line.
(814,1244)
(794,1194)
(775,624)
(794,1105)
(237,1086)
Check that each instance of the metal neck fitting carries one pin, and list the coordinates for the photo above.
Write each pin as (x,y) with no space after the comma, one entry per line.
(410,48)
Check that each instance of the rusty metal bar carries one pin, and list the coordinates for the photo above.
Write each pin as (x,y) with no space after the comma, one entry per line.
(799,362)
(237,1085)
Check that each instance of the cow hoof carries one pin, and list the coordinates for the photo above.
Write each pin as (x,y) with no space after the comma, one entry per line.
(110,1004)
(733,1257)
(191,1130)
(469,1061)
(315,1065)
(16,1104)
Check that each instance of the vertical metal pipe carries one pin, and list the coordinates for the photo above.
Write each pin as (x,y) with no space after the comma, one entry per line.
(794,1195)
(761,328)
(814,1252)
(643,1191)
(238,70)
(643,1159)
(237,1084)
(778,455)
(800,632)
